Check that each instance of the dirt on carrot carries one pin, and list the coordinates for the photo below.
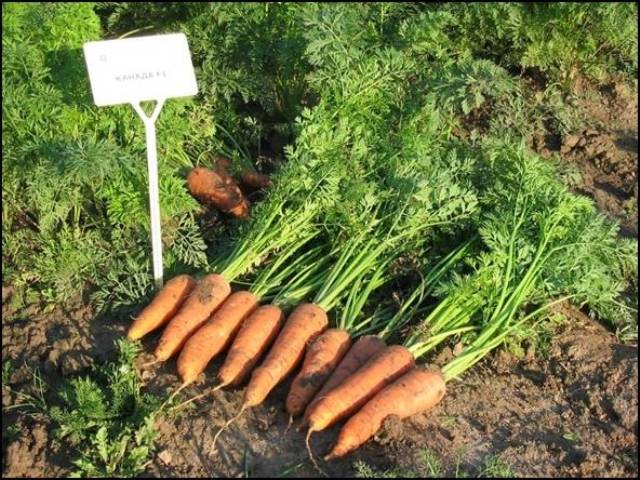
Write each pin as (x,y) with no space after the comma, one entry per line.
(208,295)
(210,187)
(321,358)
(304,324)
(348,397)
(416,391)
(215,335)
(362,350)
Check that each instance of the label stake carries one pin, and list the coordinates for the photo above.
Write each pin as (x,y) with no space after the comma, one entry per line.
(154,189)
(133,70)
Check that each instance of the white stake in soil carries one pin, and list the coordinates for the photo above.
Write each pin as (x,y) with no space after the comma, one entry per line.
(135,70)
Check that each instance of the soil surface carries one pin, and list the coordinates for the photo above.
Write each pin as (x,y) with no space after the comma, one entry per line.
(570,412)
(606,153)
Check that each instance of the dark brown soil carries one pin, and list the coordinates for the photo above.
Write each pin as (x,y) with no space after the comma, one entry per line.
(606,153)
(571,413)
(57,345)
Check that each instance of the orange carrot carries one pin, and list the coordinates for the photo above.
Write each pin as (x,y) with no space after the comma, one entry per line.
(210,292)
(359,388)
(164,306)
(366,347)
(212,187)
(255,335)
(215,335)
(320,360)
(241,210)
(414,392)
(304,324)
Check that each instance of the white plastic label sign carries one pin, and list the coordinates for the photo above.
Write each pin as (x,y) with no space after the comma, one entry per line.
(138,69)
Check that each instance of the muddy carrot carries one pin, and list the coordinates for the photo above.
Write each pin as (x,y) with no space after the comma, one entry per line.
(215,335)
(208,295)
(164,306)
(416,391)
(366,347)
(210,186)
(321,358)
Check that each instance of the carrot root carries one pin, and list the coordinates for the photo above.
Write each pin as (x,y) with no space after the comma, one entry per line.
(173,395)
(320,360)
(364,348)
(289,423)
(255,335)
(214,335)
(217,188)
(218,387)
(148,364)
(207,296)
(224,427)
(310,453)
(304,324)
(187,402)
(163,306)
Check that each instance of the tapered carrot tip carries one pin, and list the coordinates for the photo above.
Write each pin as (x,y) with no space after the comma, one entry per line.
(330,456)
(289,423)
(339,450)
(301,425)
(241,210)
(224,427)
(258,388)
(163,306)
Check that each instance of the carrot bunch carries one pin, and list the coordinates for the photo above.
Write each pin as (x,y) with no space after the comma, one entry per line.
(259,329)
(362,382)
(371,365)
(374,177)
(525,256)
